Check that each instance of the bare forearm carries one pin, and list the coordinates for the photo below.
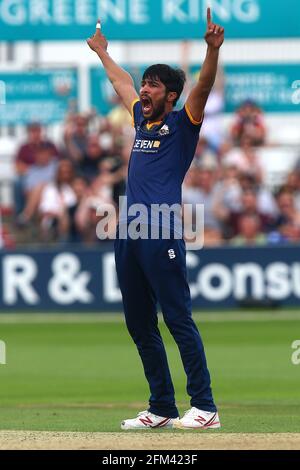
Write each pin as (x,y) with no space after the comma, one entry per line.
(114,72)
(209,69)
(198,97)
(120,79)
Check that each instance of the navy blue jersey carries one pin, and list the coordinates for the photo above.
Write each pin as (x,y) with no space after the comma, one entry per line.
(160,158)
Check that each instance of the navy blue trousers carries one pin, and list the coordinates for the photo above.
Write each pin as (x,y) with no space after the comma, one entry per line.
(149,273)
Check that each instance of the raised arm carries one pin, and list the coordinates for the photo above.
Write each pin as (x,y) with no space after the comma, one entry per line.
(120,79)
(198,97)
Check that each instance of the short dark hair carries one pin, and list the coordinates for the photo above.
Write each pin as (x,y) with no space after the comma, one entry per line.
(173,79)
(33,126)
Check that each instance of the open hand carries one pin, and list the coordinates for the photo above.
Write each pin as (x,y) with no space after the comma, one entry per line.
(98,41)
(214,35)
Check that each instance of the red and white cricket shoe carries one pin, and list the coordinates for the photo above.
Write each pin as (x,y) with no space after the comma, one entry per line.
(198,419)
(147,420)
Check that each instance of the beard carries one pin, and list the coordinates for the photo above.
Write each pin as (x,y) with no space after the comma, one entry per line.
(158,110)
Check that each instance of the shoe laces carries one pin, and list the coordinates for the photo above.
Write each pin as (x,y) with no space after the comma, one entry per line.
(144,413)
(192,412)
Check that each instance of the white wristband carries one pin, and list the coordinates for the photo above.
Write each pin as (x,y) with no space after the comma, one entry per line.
(98,25)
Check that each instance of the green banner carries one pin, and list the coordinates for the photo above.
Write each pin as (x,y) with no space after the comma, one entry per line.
(275,88)
(146,19)
(102,94)
(44,96)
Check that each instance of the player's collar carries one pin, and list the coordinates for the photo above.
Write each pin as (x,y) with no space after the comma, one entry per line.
(149,125)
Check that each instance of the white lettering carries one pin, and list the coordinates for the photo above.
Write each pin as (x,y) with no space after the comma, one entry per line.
(217,271)
(194,232)
(105,228)
(169,215)
(244,271)
(296,354)
(112,460)
(138,13)
(13,12)
(39,12)
(69,285)
(19,271)
(2,352)
(296,279)
(2,92)
(220,9)
(296,93)
(246,11)
(62,12)
(279,285)
(194,10)
(145,144)
(172,11)
(111,291)
(84,12)
(114,9)
(137,227)
(192,262)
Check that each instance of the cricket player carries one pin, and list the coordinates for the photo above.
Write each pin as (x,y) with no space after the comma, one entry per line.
(153,270)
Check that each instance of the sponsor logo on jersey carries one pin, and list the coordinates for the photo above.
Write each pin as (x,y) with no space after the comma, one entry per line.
(164,130)
(146,144)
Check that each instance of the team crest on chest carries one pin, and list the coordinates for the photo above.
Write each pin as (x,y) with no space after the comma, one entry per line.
(164,130)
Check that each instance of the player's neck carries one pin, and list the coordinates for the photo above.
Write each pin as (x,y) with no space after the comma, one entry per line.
(156,120)
(161,117)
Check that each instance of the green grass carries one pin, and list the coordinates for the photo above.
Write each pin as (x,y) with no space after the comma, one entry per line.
(87,376)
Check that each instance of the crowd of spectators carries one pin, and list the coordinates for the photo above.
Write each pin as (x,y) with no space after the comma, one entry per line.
(58,188)
(240,209)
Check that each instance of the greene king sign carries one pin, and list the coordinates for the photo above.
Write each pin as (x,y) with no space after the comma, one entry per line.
(145,19)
